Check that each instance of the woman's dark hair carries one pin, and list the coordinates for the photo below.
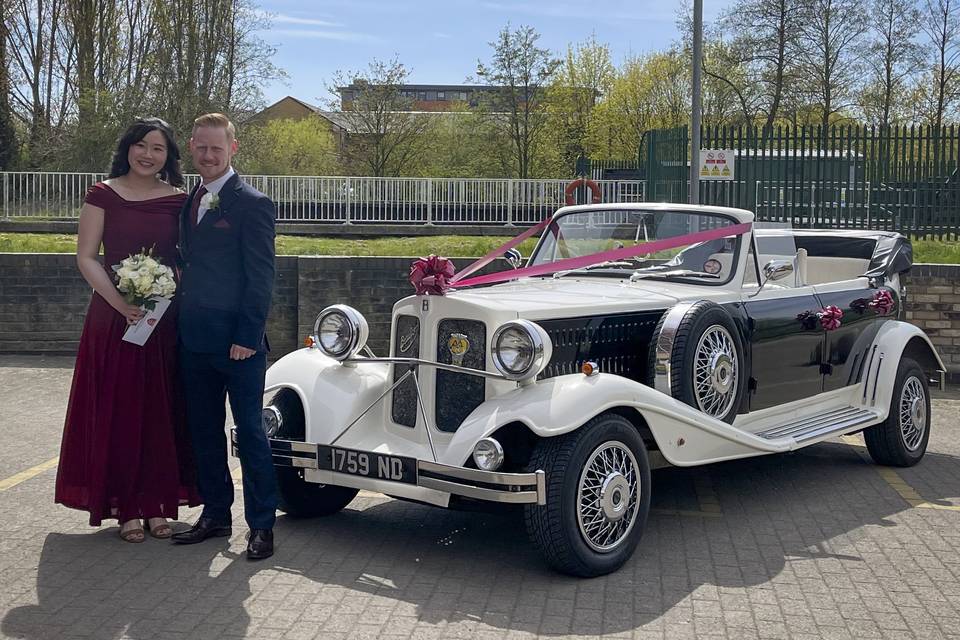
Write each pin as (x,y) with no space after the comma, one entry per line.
(120,165)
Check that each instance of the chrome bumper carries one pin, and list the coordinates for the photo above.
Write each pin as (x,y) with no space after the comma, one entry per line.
(491,486)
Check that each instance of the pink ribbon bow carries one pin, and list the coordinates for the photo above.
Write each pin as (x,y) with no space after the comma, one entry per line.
(830,318)
(882,302)
(431,275)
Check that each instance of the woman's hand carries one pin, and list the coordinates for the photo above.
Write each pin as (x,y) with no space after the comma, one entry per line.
(131,312)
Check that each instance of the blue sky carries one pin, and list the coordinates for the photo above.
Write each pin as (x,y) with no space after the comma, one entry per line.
(441,40)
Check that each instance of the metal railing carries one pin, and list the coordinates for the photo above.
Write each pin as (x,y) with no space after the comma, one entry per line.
(344,200)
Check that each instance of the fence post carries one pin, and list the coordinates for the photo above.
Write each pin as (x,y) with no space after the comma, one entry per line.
(429,201)
(6,195)
(509,202)
(346,219)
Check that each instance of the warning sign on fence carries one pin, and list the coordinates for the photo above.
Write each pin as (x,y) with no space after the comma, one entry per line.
(716,164)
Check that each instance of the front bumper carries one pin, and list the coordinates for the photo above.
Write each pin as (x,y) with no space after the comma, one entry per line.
(490,486)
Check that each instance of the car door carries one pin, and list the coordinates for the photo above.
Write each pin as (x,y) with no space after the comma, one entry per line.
(846,347)
(786,345)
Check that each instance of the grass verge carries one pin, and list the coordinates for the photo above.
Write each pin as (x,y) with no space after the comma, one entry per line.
(924,251)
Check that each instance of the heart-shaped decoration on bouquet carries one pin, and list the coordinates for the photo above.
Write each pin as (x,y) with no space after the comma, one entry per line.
(151,321)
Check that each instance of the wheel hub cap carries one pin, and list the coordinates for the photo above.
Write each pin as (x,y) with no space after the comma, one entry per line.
(615,496)
(918,412)
(721,372)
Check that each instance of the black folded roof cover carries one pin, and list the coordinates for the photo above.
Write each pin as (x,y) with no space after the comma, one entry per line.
(888,251)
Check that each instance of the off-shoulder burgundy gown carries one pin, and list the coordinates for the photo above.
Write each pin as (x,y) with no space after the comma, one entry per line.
(125,451)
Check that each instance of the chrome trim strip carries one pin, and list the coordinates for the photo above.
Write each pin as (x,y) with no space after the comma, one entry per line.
(866,372)
(293,445)
(476,475)
(668,335)
(479,493)
(876,380)
(430,363)
(942,379)
(541,486)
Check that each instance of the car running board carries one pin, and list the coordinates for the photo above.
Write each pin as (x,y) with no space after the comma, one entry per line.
(824,424)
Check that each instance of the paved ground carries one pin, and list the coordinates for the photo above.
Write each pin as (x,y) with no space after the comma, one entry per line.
(817,544)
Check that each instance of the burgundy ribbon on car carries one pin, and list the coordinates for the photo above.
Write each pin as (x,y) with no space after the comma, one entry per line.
(585,261)
(882,302)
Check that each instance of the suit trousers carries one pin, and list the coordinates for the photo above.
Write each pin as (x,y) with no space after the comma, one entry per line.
(208,379)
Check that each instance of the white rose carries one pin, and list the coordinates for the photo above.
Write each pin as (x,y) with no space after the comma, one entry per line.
(206,201)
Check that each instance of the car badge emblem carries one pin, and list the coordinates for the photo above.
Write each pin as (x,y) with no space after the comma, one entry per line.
(407,340)
(426,305)
(458,344)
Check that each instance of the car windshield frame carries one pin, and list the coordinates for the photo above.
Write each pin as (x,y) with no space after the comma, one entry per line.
(545,242)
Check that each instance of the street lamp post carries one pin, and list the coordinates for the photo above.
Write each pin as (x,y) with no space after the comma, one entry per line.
(694,195)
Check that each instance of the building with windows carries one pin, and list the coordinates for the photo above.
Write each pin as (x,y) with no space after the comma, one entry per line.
(429,97)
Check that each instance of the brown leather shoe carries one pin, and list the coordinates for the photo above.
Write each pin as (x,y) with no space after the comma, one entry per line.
(260,545)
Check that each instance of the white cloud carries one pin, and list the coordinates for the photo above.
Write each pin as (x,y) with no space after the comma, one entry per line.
(285,19)
(341,36)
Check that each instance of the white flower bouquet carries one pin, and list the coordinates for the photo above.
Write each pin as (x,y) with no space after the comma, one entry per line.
(146,282)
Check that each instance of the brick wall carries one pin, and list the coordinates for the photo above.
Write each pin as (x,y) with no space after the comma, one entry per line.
(933,304)
(43,300)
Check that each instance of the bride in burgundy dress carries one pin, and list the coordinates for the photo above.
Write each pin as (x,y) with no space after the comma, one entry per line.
(125,452)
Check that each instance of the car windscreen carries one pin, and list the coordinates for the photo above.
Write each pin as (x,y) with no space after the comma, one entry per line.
(670,244)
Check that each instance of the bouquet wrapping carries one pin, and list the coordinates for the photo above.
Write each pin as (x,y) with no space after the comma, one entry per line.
(146,282)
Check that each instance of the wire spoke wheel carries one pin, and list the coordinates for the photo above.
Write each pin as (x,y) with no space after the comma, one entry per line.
(716,371)
(608,495)
(912,413)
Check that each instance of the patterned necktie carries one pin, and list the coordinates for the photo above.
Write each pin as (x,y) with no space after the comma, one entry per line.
(195,207)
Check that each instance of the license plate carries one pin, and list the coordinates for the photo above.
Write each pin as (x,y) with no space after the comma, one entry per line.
(367,464)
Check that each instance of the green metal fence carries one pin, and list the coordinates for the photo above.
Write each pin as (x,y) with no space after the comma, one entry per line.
(902,178)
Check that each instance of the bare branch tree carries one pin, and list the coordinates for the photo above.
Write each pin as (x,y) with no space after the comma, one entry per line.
(520,73)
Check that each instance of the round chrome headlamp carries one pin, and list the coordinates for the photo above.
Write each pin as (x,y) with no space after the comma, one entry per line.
(488,454)
(341,331)
(521,349)
(272,420)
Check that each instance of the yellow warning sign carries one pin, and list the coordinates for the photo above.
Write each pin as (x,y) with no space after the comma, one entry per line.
(717,164)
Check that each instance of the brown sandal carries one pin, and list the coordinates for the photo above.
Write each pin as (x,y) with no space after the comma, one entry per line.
(161,531)
(134,535)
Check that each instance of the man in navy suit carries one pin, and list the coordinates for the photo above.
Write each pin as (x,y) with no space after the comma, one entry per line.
(227,254)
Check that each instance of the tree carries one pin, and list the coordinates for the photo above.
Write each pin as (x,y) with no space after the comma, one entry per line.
(519,73)
(8,141)
(648,93)
(830,32)
(940,23)
(764,32)
(386,137)
(302,147)
(893,56)
(465,144)
(584,77)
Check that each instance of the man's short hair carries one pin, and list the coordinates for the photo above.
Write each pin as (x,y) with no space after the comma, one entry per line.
(216,120)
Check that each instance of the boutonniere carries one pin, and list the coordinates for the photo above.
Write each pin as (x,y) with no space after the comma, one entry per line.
(210,201)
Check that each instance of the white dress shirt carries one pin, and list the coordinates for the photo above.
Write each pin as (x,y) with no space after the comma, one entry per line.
(214,189)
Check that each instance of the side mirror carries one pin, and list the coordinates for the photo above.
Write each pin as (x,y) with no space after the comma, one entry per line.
(513,257)
(777,269)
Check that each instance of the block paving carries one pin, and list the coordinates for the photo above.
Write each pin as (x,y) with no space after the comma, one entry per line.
(816,544)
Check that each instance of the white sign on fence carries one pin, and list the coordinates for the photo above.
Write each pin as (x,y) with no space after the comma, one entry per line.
(716,164)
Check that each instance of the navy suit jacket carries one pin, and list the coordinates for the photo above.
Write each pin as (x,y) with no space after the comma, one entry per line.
(227,263)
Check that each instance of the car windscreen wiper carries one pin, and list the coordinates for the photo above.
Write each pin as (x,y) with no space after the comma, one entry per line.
(673,273)
(599,265)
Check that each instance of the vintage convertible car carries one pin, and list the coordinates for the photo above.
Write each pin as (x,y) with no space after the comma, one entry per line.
(635,336)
